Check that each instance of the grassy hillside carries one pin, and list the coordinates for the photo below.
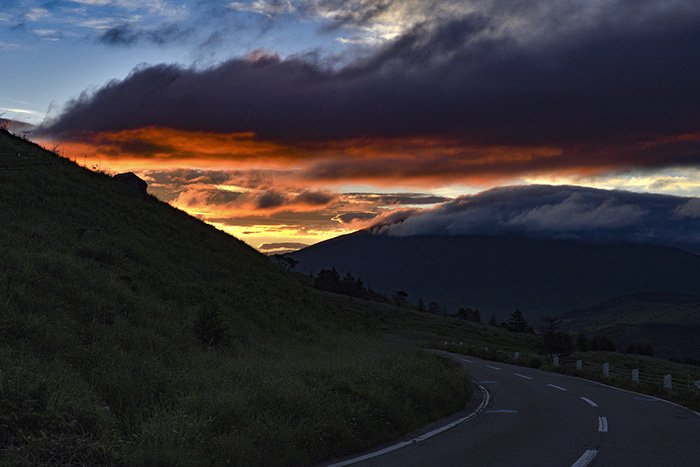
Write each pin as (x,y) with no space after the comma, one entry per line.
(132,333)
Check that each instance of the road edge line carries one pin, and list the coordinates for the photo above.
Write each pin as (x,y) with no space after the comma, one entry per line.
(418,439)
(586,458)
(636,393)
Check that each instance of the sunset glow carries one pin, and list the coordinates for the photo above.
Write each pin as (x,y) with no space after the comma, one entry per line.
(366,111)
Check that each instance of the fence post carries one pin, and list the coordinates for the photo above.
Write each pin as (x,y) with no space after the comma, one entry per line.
(579,364)
(516,355)
(668,382)
(606,369)
(555,360)
(635,375)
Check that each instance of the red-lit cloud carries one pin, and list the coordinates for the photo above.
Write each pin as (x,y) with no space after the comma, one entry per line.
(464,99)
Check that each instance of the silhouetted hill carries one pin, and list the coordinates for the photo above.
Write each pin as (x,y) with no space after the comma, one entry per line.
(134,334)
(501,273)
(671,323)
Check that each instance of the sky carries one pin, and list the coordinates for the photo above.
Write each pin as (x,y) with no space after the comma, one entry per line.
(286,122)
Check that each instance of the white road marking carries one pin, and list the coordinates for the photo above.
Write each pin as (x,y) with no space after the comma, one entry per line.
(557,387)
(423,437)
(468,361)
(586,458)
(522,376)
(493,368)
(589,402)
(633,392)
(602,424)
(501,411)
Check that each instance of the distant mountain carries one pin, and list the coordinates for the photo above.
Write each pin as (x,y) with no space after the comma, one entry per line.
(501,273)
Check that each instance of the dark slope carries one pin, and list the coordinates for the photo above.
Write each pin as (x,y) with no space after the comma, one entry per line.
(134,334)
(671,323)
(500,274)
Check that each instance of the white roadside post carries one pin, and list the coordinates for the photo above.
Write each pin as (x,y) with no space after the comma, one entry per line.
(668,382)
(635,375)
(555,360)
(579,365)
(606,369)
(516,355)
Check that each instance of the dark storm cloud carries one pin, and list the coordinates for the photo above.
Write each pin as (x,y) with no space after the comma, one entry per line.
(627,77)
(562,212)
(270,199)
(314,198)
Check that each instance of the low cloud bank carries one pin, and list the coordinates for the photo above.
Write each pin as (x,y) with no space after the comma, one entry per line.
(561,212)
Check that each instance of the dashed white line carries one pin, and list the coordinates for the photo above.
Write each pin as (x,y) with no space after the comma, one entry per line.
(602,425)
(586,458)
(589,402)
(557,387)
(493,368)
(522,376)
(467,360)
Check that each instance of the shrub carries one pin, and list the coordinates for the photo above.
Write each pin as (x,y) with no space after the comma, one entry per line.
(210,328)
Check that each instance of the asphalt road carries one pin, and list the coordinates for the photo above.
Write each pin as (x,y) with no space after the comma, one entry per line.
(537,418)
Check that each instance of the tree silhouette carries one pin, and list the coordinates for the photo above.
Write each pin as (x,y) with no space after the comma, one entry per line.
(516,322)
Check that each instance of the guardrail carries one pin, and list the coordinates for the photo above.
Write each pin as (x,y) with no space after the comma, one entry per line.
(626,375)
(626,372)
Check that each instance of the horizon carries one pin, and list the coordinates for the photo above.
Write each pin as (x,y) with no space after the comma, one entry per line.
(295,122)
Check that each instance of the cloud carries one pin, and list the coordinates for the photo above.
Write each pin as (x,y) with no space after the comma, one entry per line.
(314,198)
(129,33)
(563,212)
(348,217)
(281,247)
(390,199)
(608,92)
(263,7)
(270,199)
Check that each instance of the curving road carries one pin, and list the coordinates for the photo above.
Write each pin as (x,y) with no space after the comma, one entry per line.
(537,418)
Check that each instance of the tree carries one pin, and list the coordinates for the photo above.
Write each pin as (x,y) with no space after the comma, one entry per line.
(493,321)
(553,340)
(469,314)
(516,322)
(328,279)
(582,343)
(421,305)
(640,348)
(476,316)
(400,298)
(434,308)
(603,343)
(283,261)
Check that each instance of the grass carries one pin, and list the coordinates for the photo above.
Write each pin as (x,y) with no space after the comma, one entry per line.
(134,334)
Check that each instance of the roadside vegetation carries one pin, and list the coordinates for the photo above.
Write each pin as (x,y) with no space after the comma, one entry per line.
(134,334)
(514,341)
